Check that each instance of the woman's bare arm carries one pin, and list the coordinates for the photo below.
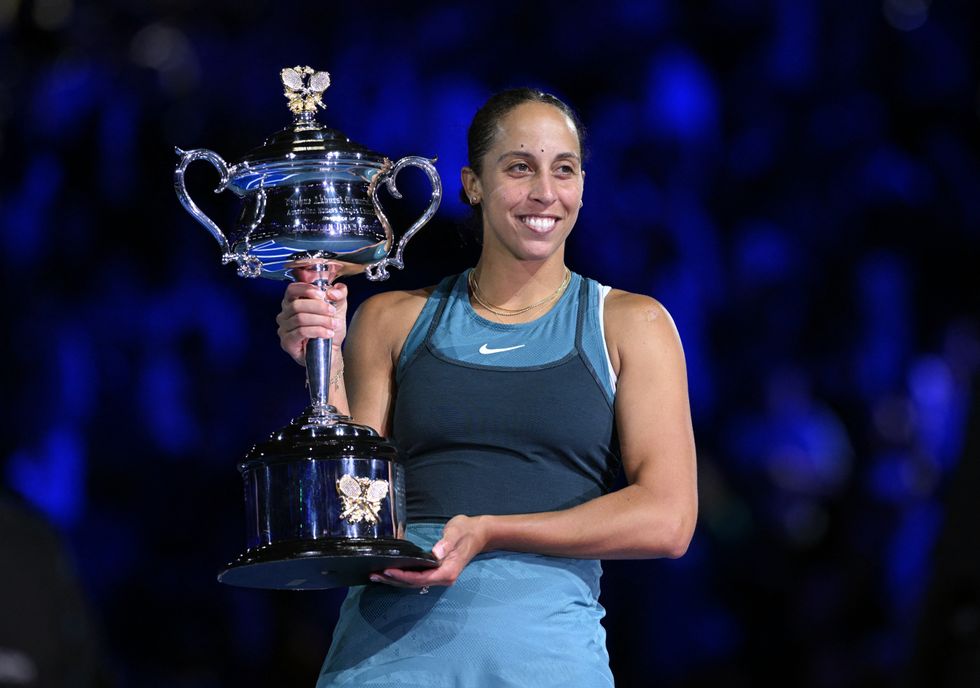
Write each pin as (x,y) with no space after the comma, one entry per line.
(377,332)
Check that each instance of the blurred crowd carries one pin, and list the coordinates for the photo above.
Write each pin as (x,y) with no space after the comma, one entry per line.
(795,180)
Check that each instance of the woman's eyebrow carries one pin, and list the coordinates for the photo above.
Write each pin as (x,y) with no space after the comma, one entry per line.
(529,156)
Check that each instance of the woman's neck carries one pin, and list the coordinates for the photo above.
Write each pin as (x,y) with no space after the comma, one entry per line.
(511,284)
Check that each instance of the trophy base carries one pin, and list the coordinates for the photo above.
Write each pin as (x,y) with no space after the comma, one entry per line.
(323,564)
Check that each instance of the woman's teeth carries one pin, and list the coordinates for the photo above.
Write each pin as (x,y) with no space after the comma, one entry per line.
(538,224)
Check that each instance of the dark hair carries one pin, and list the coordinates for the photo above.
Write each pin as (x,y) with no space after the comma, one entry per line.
(483,128)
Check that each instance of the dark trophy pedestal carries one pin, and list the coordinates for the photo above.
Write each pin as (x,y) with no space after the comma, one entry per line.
(324,503)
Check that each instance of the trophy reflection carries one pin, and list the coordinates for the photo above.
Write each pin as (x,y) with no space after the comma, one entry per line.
(324,497)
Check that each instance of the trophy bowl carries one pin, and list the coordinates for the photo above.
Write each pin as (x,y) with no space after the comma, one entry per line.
(324,496)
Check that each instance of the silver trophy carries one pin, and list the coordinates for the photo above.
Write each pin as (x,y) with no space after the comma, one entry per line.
(324,497)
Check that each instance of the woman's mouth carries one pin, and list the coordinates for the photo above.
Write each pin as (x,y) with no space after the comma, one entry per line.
(538,223)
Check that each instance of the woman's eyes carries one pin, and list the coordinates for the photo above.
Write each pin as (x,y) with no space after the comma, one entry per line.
(562,170)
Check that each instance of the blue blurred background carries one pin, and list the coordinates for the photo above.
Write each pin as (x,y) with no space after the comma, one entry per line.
(796,180)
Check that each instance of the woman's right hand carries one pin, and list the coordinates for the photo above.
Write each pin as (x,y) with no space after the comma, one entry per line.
(307,315)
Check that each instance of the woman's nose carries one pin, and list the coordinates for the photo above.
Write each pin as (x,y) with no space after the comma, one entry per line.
(543,189)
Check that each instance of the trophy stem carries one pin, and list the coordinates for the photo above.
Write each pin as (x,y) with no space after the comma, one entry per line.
(319,353)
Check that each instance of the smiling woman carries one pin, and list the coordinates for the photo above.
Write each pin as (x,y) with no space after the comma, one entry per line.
(529,185)
(516,390)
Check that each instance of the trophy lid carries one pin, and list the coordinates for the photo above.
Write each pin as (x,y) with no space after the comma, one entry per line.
(311,142)
(306,140)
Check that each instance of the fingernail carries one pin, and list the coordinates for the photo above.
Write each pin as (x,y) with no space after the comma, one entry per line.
(375,579)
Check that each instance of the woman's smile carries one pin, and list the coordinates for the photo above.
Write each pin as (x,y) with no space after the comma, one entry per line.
(539,224)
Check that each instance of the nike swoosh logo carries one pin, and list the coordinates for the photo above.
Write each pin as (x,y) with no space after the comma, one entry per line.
(487,350)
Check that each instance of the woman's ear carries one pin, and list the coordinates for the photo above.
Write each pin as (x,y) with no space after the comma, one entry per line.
(471,185)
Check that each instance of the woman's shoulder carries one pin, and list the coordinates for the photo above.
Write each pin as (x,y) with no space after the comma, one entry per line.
(395,305)
(389,304)
(385,319)
(398,298)
(628,315)
(624,304)
(391,314)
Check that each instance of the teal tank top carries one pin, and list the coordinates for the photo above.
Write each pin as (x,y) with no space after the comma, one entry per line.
(500,419)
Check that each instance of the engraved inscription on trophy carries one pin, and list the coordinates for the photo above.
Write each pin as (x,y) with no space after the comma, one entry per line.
(338,208)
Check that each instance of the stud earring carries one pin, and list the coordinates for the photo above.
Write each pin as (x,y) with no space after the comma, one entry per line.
(581,203)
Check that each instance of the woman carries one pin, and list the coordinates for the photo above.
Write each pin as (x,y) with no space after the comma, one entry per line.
(515,390)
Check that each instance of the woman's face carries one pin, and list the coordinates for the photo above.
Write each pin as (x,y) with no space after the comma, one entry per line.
(530,187)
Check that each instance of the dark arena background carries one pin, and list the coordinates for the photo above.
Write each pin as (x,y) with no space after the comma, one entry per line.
(798,181)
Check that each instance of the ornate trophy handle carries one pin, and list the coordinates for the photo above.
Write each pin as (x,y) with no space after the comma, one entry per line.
(378,271)
(187,157)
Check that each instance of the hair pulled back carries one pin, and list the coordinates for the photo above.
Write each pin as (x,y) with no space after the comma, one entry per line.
(483,129)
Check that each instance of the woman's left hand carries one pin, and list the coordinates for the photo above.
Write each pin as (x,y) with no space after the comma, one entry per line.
(462,539)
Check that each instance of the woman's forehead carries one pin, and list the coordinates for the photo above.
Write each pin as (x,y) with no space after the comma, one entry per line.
(537,128)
